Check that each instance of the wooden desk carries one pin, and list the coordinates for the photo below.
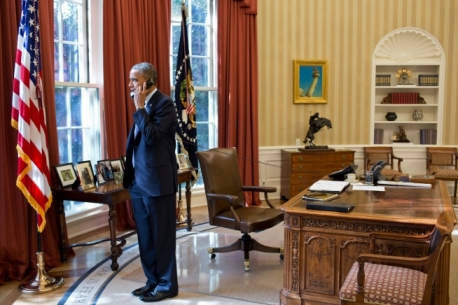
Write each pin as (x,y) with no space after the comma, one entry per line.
(110,194)
(320,246)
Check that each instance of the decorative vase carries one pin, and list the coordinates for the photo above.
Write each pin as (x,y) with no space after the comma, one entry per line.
(417,115)
(391,116)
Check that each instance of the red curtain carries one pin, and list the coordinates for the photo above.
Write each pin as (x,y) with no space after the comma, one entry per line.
(18,222)
(133,31)
(238,87)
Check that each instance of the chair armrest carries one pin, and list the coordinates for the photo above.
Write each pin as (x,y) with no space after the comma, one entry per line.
(230,199)
(393,260)
(264,189)
(399,162)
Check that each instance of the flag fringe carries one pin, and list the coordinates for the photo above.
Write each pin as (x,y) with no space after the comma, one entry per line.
(35,205)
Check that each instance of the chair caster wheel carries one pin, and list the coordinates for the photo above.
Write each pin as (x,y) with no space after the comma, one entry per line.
(212,255)
(247,268)
(282,256)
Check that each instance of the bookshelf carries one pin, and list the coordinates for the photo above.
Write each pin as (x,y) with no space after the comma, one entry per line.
(421,55)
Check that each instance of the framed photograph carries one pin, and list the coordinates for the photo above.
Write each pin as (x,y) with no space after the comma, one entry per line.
(182,161)
(310,82)
(99,174)
(118,176)
(65,174)
(107,172)
(84,170)
(116,166)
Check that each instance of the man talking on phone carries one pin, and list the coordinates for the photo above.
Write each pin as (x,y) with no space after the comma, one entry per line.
(151,177)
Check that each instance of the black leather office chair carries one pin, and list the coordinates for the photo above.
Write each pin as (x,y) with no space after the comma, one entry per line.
(226,202)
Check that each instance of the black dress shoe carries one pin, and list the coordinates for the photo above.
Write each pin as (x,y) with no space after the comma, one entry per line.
(141,291)
(156,296)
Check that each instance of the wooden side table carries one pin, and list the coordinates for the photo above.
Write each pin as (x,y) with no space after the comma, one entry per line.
(110,194)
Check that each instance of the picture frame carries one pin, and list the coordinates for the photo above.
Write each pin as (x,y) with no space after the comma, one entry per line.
(99,174)
(124,159)
(86,175)
(116,166)
(118,177)
(66,174)
(182,161)
(310,81)
(107,172)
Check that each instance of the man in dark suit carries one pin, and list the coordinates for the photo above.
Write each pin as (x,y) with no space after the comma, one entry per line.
(151,177)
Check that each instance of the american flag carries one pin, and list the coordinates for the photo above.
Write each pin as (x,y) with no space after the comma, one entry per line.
(28,116)
(185,101)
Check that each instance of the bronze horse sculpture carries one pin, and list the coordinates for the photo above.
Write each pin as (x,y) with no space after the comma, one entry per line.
(316,124)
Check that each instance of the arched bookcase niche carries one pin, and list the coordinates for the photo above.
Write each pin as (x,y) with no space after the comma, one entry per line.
(408,70)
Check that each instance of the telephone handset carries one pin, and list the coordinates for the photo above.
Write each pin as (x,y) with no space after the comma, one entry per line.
(149,83)
(377,170)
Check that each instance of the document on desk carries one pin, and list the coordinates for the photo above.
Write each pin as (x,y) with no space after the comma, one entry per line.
(405,184)
(364,187)
(329,186)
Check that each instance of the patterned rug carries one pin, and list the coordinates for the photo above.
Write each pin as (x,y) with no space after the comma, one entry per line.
(201,280)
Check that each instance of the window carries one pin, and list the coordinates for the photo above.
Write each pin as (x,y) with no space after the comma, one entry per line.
(201,23)
(77,101)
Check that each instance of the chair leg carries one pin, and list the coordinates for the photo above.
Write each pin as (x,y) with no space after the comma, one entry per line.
(454,193)
(246,244)
(229,248)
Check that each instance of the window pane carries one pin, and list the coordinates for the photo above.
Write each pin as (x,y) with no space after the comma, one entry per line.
(71,17)
(199,40)
(71,66)
(176,32)
(200,71)
(199,11)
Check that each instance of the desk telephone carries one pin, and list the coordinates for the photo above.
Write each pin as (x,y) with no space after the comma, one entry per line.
(377,170)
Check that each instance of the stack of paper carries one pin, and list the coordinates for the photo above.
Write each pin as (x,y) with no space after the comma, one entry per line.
(329,186)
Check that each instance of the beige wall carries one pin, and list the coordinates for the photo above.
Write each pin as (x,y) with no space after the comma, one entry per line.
(345,33)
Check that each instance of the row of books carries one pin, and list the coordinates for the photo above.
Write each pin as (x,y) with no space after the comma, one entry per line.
(428,136)
(404,98)
(378,136)
(423,80)
(428,80)
(383,80)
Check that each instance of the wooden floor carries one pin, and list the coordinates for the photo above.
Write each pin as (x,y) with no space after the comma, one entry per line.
(76,266)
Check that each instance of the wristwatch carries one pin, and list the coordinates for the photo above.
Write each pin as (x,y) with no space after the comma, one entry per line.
(140,107)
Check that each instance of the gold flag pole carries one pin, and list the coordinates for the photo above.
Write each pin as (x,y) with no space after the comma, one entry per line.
(42,282)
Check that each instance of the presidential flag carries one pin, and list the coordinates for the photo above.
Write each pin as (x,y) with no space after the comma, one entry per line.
(185,102)
(28,116)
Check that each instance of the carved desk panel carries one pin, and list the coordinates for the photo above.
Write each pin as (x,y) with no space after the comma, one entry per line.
(321,246)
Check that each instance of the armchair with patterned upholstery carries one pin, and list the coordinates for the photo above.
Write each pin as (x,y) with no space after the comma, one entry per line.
(441,162)
(226,203)
(373,154)
(382,279)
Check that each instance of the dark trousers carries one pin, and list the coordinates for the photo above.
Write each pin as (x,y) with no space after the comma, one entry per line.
(156,230)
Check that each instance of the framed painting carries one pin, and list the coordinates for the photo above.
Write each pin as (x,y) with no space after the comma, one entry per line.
(310,81)
(65,174)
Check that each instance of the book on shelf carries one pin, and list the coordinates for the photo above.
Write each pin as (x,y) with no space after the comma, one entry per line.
(378,136)
(428,136)
(329,186)
(319,196)
(383,80)
(428,80)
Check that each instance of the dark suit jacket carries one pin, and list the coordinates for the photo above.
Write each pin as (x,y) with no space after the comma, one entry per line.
(154,148)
